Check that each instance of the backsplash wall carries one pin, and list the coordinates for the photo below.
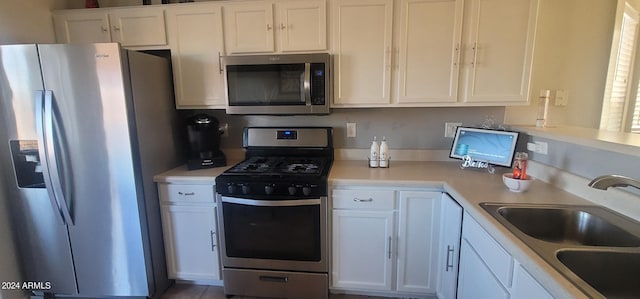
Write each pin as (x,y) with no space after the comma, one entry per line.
(405,128)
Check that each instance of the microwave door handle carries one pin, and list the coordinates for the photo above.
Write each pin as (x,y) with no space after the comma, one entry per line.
(307,83)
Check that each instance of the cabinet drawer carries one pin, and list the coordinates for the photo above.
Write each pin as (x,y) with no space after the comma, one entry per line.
(495,257)
(364,199)
(180,193)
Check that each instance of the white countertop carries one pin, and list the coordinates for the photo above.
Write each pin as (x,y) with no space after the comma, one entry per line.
(468,187)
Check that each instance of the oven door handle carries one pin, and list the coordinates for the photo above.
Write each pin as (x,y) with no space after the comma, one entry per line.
(272,203)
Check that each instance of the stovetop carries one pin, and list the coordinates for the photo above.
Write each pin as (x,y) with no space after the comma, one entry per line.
(280,163)
(280,166)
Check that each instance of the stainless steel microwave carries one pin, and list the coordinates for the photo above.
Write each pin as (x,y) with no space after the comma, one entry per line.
(278,84)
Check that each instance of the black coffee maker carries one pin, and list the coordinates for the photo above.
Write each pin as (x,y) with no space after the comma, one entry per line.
(204,142)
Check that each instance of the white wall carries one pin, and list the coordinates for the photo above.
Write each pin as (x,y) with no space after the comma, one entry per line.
(573,42)
(20,22)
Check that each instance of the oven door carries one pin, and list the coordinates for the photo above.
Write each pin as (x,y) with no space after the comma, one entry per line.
(274,234)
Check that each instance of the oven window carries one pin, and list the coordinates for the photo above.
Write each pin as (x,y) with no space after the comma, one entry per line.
(272,84)
(281,233)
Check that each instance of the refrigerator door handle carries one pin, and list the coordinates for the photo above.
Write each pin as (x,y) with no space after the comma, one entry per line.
(44,124)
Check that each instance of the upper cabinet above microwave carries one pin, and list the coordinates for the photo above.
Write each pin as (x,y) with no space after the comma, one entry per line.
(253,27)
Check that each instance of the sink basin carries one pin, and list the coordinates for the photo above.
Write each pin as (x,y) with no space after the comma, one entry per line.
(564,225)
(613,274)
(596,249)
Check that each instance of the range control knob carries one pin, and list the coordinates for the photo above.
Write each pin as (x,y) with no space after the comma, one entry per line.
(268,189)
(306,190)
(246,189)
(231,188)
(292,190)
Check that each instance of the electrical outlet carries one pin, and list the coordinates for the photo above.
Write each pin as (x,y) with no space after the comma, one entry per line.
(351,130)
(538,147)
(450,129)
(562,98)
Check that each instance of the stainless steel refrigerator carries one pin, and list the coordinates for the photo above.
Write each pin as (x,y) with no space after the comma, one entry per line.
(83,130)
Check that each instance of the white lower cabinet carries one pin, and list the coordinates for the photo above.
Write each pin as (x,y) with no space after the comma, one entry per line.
(488,271)
(190,231)
(389,241)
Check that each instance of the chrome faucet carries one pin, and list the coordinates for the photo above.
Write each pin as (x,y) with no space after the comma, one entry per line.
(613,180)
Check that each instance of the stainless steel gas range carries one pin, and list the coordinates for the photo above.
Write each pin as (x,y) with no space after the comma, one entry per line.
(272,211)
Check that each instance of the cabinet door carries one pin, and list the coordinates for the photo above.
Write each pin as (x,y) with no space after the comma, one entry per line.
(303,25)
(451,221)
(430,36)
(82,27)
(475,279)
(525,286)
(248,27)
(499,42)
(362,48)
(134,27)
(195,39)
(191,244)
(363,249)
(418,241)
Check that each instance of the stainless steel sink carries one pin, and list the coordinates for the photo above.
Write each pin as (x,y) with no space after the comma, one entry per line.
(567,225)
(595,248)
(613,274)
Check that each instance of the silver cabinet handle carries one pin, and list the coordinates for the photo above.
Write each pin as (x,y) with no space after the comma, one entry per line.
(213,242)
(103,29)
(457,55)
(449,254)
(475,54)
(370,199)
(389,251)
(283,26)
(116,28)
(269,27)
(220,63)
(186,193)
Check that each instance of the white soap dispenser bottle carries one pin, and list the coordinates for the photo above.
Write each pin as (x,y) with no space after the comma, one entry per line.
(374,153)
(384,153)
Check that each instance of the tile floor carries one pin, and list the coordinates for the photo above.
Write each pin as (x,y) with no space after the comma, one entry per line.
(192,291)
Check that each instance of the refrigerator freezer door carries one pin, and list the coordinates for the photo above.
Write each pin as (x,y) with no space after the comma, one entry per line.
(93,123)
(43,240)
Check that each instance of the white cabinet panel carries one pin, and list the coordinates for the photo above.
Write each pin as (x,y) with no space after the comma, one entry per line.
(475,279)
(418,233)
(82,27)
(303,25)
(430,33)
(133,27)
(191,242)
(449,247)
(362,249)
(526,287)
(499,42)
(196,42)
(362,48)
(249,27)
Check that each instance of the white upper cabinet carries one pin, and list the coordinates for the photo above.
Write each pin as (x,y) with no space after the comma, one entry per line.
(82,27)
(131,27)
(498,44)
(196,43)
(142,26)
(250,27)
(430,33)
(362,48)
(302,25)
(443,52)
